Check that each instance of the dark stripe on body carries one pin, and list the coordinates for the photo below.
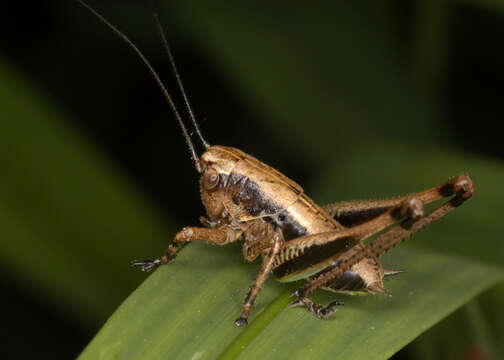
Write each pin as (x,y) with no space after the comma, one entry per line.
(249,195)
(291,229)
(356,217)
(312,256)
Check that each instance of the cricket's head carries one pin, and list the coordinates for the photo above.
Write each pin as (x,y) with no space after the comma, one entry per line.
(217,163)
(242,185)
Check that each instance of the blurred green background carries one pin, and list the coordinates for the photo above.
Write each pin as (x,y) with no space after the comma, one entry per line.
(361,100)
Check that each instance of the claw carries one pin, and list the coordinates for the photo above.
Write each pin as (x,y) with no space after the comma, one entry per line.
(137,263)
(297,303)
(241,321)
(324,313)
(335,303)
(146,265)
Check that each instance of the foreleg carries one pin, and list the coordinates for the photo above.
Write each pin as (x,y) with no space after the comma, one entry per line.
(219,236)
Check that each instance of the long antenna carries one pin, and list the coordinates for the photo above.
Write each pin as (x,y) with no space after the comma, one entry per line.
(156,77)
(179,80)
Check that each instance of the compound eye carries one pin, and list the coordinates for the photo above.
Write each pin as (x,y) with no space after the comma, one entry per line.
(210,180)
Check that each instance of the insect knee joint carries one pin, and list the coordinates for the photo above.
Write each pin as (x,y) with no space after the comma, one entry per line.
(184,235)
(463,186)
(412,208)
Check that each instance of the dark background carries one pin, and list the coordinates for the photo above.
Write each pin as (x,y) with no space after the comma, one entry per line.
(453,65)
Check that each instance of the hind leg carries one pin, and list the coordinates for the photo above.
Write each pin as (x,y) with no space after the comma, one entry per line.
(352,213)
(462,189)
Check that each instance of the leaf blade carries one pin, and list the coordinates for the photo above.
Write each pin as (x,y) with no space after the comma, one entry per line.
(199,319)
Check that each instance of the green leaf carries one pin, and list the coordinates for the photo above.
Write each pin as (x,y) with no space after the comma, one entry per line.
(186,310)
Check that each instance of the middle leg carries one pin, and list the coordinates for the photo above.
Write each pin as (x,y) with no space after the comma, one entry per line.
(265,271)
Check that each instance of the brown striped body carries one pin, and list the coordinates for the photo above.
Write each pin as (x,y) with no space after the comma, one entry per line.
(257,199)
(297,239)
